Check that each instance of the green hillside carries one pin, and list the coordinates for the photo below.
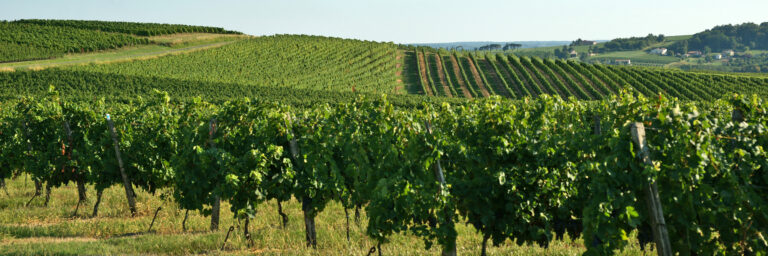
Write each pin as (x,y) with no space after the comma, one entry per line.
(305,70)
(20,41)
(286,61)
(134,28)
(45,39)
(201,140)
(518,77)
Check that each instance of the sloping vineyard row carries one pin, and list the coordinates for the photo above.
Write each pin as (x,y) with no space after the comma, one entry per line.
(517,77)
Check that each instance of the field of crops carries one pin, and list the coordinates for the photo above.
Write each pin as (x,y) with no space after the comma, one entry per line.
(282,64)
(44,39)
(285,61)
(592,158)
(638,56)
(134,28)
(20,41)
(529,171)
(469,75)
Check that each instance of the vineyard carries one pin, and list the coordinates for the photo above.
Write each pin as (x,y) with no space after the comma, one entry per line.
(515,77)
(314,65)
(134,28)
(24,40)
(85,85)
(686,174)
(412,143)
(285,61)
(20,41)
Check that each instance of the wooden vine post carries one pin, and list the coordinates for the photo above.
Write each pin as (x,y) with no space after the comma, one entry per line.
(38,184)
(306,202)
(126,181)
(597,128)
(653,202)
(215,209)
(450,249)
(79,177)
(737,116)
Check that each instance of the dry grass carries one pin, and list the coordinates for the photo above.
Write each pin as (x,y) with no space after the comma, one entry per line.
(183,38)
(46,240)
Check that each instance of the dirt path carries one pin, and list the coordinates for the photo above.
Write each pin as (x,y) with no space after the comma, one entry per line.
(441,75)
(398,73)
(459,78)
(423,72)
(478,79)
(493,78)
(107,57)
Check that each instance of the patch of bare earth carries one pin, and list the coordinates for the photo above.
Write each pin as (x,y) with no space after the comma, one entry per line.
(423,72)
(441,75)
(493,77)
(459,79)
(478,80)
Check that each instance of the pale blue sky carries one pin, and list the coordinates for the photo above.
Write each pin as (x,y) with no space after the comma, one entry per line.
(415,21)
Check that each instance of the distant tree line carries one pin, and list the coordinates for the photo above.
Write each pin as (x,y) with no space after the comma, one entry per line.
(727,37)
(491,47)
(629,44)
(565,52)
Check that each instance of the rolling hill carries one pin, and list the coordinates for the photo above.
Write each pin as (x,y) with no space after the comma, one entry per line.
(305,70)
(470,75)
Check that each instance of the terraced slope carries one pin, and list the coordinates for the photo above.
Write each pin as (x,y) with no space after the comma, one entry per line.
(517,77)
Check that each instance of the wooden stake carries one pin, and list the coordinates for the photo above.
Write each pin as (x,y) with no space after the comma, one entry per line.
(737,116)
(2,184)
(346,214)
(658,225)
(215,210)
(597,128)
(231,228)
(126,181)
(96,205)
(282,214)
(309,218)
(184,222)
(450,249)
(38,185)
(48,188)
(153,219)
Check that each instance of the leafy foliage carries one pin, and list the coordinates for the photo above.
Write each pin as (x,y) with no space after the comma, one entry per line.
(135,28)
(286,61)
(22,41)
(529,171)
